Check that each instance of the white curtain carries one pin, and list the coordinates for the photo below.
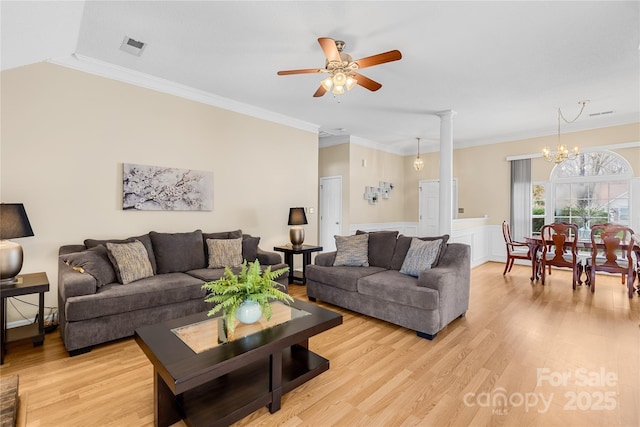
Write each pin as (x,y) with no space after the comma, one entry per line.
(521,191)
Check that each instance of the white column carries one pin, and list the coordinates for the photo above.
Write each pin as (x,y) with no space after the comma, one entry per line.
(446,171)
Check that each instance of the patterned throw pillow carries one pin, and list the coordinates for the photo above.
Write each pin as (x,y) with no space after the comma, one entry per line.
(421,255)
(352,251)
(131,261)
(224,252)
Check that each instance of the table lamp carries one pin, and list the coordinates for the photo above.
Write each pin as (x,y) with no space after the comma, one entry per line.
(13,224)
(297,218)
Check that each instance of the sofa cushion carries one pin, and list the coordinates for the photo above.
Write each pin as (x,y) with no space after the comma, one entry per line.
(381,247)
(130,260)
(402,247)
(339,277)
(152,291)
(145,239)
(94,261)
(421,256)
(224,252)
(250,247)
(393,286)
(352,251)
(178,252)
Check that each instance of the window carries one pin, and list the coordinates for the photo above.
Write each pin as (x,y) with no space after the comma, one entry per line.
(538,208)
(592,189)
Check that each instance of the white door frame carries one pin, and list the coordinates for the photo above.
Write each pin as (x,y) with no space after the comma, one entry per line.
(327,230)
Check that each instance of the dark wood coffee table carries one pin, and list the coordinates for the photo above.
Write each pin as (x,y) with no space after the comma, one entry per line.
(205,378)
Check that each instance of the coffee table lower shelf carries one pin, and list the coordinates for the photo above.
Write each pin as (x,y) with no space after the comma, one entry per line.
(239,393)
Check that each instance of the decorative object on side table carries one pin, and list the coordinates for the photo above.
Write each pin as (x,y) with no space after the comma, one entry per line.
(297,218)
(232,291)
(13,224)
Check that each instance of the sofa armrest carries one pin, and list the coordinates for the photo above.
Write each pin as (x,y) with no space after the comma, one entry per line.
(325,259)
(72,283)
(452,279)
(268,258)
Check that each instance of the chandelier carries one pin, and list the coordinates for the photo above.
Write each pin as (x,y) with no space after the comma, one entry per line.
(418,164)
(341,73)
(562,152)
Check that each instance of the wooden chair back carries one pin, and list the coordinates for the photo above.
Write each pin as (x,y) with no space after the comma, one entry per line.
(612,249)
(561,244)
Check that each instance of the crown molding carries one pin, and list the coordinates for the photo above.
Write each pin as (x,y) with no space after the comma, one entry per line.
(104,69)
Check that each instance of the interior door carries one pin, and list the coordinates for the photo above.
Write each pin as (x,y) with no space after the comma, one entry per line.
(330,211)
(428,206)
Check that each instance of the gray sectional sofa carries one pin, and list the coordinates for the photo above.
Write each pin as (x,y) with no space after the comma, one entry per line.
(98,300)
(426,303)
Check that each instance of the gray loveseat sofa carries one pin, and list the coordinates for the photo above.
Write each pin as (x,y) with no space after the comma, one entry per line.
(98,302)
(426,303)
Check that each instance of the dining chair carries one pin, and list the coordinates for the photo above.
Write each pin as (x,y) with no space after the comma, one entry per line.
(515,250)
(636,239)
(612,252)
(560,249)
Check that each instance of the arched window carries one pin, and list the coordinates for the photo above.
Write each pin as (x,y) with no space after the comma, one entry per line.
(592,189)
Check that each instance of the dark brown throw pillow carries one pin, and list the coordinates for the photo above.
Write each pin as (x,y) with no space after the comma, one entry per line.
(381,247)
(94,261)
(178,252)
(145,239)
(250,247)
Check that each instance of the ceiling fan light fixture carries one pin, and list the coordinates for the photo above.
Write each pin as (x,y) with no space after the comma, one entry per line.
(339,79)
(327,83)
(338,89)
(351,82)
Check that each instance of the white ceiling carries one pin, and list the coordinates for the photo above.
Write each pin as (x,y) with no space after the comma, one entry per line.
(504,67)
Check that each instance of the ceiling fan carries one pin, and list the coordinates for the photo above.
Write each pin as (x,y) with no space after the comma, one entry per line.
(342,69)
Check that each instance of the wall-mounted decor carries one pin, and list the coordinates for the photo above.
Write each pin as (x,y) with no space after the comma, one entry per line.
(158,188)
(374,194)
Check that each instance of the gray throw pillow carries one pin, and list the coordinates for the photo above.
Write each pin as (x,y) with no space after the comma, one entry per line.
(235,234)
(402,247)
(224,252)
(381,247)
(352,251)
(178,252)
(250,247)
(130,260)
(94,261)
(421,255)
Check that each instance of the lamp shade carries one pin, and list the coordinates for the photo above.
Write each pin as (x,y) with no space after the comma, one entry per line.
(297,216)
(13,221)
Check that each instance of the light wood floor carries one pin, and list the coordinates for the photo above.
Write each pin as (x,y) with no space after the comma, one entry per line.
(517,341)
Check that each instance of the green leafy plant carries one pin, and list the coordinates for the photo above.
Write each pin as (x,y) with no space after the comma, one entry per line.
(231,290)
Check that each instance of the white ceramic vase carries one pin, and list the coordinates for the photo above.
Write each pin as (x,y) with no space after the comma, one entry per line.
(249,312)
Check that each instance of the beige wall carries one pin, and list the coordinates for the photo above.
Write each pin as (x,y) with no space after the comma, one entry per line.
(334,161)
(380,166)
(65,135)
(483,173)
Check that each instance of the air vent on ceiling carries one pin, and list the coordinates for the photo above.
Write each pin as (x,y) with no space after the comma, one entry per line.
(132,46)
(601,113)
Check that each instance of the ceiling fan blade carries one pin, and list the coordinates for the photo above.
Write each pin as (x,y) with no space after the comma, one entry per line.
(330,50)
(303,71)
(321,91)
(367,83)
(381,58)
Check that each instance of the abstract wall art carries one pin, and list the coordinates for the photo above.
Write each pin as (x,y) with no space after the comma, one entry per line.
(158,188)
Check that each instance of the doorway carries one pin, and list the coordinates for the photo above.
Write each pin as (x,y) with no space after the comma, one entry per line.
(330,211)
(428,206)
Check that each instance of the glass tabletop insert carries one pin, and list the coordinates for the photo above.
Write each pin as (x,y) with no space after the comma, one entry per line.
(210,333)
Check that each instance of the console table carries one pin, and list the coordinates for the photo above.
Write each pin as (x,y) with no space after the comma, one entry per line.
(289,252)
(25,284)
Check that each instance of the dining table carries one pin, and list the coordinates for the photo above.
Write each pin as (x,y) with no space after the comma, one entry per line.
(584,246)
